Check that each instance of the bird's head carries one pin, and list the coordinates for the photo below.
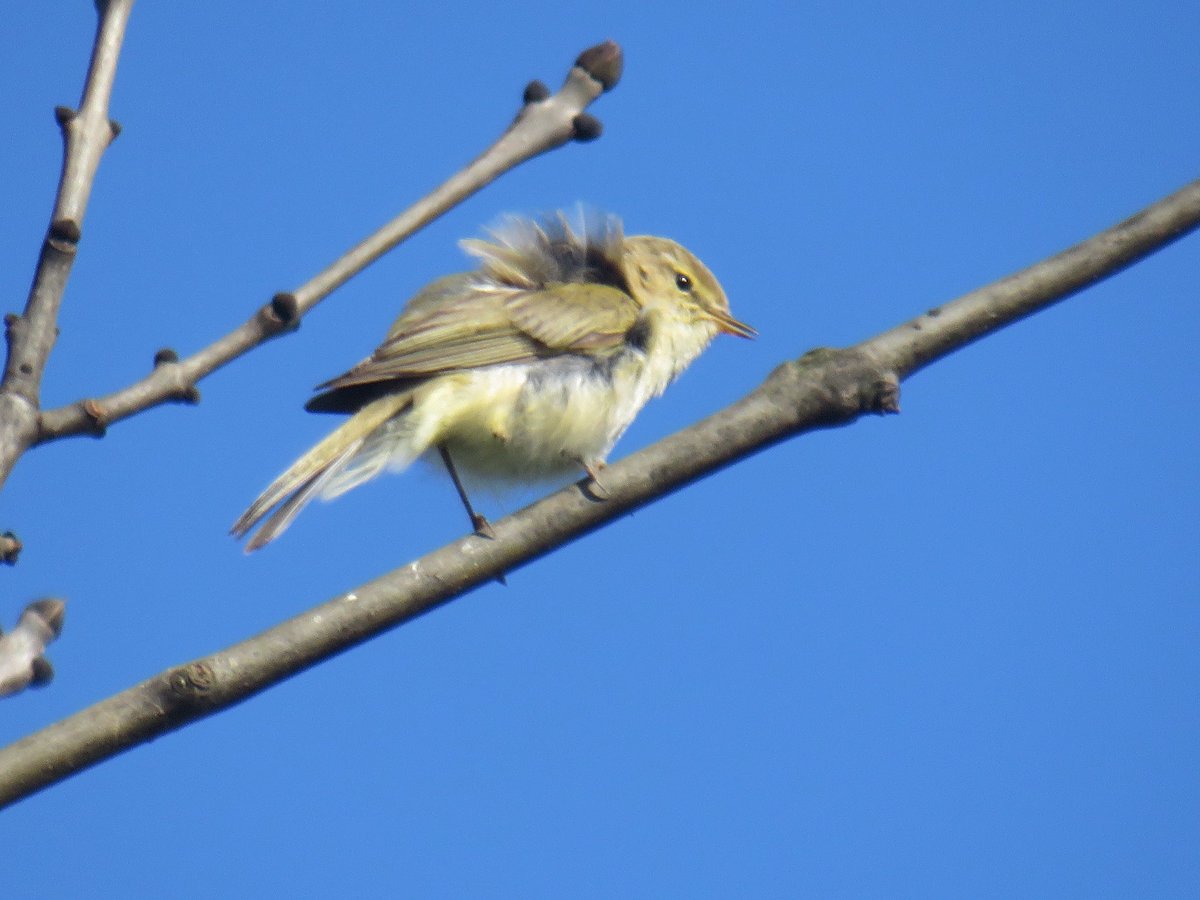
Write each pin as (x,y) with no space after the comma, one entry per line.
(662,274)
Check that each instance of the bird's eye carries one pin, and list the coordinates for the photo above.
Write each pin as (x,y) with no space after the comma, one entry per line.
(683,282)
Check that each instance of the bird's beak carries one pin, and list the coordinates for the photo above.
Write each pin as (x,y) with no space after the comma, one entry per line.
(729,325)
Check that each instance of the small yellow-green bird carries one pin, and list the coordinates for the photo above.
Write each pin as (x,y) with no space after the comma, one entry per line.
(529,367)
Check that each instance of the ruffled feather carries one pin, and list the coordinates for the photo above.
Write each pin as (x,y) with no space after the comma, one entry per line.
(530,254)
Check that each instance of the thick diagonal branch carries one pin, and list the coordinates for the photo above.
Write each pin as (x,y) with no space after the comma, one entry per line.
(823,388)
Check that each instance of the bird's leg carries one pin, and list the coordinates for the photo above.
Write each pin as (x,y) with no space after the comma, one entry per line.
(593,468)
(481,525)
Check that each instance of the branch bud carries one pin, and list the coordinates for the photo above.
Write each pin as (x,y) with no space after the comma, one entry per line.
(604,62)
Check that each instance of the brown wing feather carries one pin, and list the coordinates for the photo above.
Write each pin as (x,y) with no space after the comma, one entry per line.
(574,317)
(514,309)
(505,327)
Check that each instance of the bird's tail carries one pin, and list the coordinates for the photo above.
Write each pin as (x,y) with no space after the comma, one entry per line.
(366,443)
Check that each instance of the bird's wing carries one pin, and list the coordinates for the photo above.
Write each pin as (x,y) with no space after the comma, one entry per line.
(485,326)
(574,318)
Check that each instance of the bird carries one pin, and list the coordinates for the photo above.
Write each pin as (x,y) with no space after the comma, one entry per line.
(527,368)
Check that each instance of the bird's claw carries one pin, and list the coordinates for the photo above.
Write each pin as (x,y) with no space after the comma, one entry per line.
(594,486)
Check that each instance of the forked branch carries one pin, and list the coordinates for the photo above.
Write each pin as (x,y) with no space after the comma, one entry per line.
(31,335)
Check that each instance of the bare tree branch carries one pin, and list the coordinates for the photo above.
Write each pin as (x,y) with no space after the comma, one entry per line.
(545,122)
(31,335)
(22,662)
(944,329)
(824,388)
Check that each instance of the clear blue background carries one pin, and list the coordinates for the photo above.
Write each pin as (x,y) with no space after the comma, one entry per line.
(951,653)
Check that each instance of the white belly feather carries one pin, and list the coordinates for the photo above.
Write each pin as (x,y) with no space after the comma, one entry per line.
(524,422)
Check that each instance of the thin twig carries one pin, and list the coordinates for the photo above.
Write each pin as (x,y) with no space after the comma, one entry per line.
(31,335)
(545,122)
(822,389)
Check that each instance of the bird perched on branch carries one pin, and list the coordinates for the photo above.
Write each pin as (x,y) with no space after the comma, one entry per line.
(529,367)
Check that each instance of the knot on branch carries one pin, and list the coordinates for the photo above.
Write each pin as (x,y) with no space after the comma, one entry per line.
(65,235)
(281,314)
(186,391)
(854,381)
(13,325)
(190,685)
(835,386)
(96,415)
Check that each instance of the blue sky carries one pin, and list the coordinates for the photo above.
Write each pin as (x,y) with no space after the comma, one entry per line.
(947,653)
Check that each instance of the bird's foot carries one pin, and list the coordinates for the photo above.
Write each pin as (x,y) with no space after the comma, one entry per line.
(594,486)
